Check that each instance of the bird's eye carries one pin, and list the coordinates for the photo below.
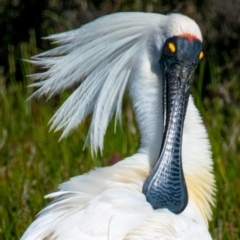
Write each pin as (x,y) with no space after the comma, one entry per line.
(171,48)
(201,55)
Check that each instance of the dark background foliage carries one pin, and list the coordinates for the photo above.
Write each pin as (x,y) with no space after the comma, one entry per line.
(219,21)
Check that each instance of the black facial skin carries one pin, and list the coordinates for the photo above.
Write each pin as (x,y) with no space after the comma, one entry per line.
(187,51)
(165,187)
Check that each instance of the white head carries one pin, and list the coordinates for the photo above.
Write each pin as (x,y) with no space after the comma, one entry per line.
(180,25)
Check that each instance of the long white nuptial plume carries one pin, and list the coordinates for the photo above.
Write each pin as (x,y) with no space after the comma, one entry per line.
(97,60)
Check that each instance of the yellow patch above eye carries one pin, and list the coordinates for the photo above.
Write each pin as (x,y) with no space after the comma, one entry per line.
(171,47)
(201,55)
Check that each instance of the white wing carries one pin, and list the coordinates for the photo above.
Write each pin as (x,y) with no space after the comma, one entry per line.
(98,59)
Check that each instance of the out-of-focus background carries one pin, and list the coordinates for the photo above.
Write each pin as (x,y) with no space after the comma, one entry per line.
(33,162)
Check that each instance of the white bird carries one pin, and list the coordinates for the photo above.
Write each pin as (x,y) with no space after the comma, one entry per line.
(165,190)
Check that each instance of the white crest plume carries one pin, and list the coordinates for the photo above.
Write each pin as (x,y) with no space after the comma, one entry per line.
(98,58)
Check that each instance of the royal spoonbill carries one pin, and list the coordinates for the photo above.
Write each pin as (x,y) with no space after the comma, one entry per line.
(166,189)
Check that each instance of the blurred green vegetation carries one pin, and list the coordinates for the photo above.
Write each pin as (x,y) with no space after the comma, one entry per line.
(33,162)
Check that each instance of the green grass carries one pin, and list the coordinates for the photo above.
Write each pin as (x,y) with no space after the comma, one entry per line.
(33,162)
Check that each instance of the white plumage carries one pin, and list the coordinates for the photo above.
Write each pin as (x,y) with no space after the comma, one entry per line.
(102,59)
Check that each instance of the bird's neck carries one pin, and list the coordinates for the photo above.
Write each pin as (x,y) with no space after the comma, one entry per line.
(146,94)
